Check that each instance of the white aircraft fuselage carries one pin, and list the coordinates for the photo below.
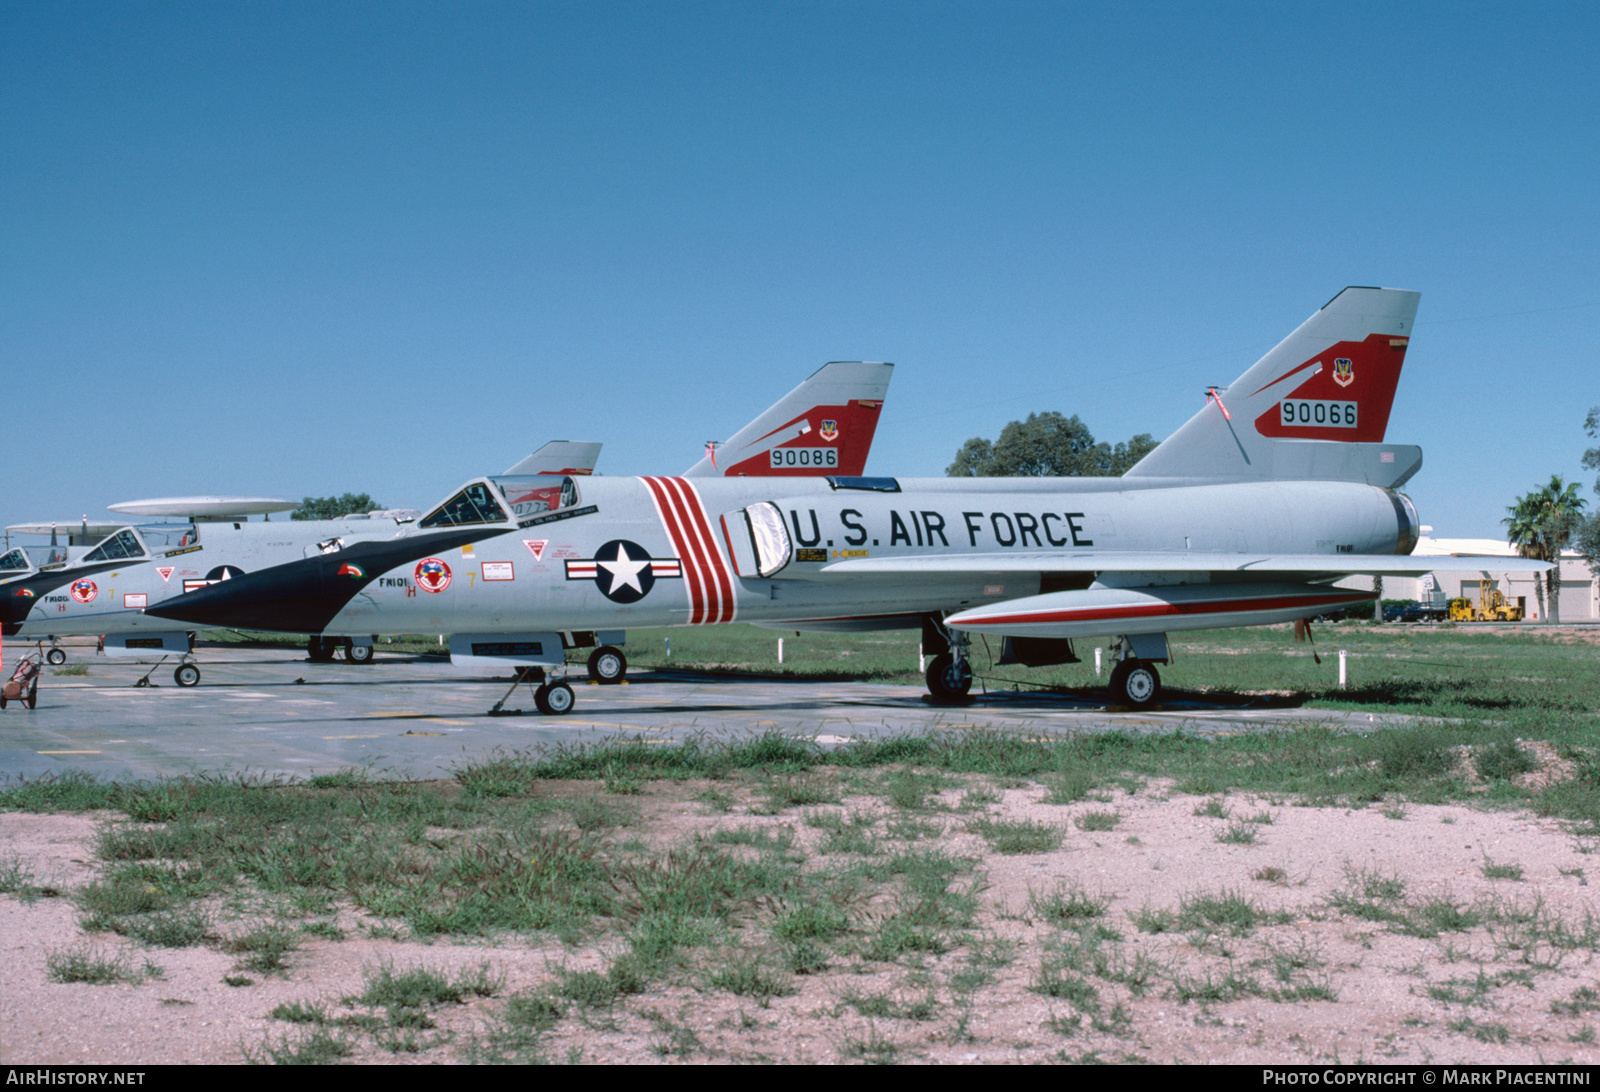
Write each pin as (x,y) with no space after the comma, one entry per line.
(642,552)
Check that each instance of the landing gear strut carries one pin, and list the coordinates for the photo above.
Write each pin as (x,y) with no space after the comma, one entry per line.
(949,675)
(554,697)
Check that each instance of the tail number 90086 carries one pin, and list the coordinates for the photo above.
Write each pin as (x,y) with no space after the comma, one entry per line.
(1306,411)
(804,456)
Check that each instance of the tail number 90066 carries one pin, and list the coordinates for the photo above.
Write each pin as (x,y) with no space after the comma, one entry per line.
(1306,411)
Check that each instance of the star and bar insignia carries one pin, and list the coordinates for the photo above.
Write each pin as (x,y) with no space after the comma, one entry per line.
(624,571)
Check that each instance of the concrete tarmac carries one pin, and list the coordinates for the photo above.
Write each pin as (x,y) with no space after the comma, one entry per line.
(272,713)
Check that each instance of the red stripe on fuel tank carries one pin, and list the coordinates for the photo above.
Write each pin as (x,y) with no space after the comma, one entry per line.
(1154,610)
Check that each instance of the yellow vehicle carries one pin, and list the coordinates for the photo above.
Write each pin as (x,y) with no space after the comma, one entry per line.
(1490,607)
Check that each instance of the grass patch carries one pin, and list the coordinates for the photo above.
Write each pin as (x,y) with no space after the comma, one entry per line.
(92,967)
(1098,820)
(1014,837)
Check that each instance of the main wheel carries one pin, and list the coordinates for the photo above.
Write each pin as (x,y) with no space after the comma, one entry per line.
(3,700)
(33,698)
(1135,684)
(947,680)
(56,655)
(186,675)
(320,649)
(554,699)
(607,665)
(358,654)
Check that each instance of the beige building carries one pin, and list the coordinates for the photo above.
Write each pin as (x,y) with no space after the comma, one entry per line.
(1458,576)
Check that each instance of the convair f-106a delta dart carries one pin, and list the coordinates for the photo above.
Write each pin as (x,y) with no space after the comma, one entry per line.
(1278,487)
(825,425)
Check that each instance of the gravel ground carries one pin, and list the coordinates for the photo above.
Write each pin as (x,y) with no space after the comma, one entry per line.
(1306,982)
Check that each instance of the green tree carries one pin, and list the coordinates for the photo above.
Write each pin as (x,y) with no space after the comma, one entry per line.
(334,507)
(1587,537)
(1047,445)
(1540,525)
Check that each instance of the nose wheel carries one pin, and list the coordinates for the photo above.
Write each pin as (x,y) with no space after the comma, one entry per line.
(555,699)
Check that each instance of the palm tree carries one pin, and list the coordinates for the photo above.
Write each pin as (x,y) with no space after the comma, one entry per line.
(1540,525)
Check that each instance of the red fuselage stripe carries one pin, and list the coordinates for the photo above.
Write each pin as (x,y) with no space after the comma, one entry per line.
(683,516)
(672,521)
(1154,610)
(705,538)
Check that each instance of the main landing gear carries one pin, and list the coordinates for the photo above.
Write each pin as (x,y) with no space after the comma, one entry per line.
(607,665)
(949,674)
(1135,683)
(321,650)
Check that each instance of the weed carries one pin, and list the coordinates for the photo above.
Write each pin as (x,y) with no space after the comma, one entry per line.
(71,669)
(1018,837)
(978,797)
(1238,833)
(89,966)
(1495,871)
(749,978)
(768,839)
(873,1048)
(1070,787)
(421,986)
(172,929)
(320,1047)
(588,988)
(1054,979)
(803,791)
(296,1013)
(909,790)
(1270,874)
(1067,906)
(1148,920)
(1098,820)
(1584,999)
(15,879)
(1439,915)
(1484,1033)
(1503,759)
(590,814)
(1209,989)
(1213,808)
(1228,911)
(263,950)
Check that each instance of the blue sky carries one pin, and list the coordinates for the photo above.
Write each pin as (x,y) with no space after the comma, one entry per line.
(292,249)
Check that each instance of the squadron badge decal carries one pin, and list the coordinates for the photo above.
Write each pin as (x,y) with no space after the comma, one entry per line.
(84,591)
(432,574)
(1344,371)
(624,571)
